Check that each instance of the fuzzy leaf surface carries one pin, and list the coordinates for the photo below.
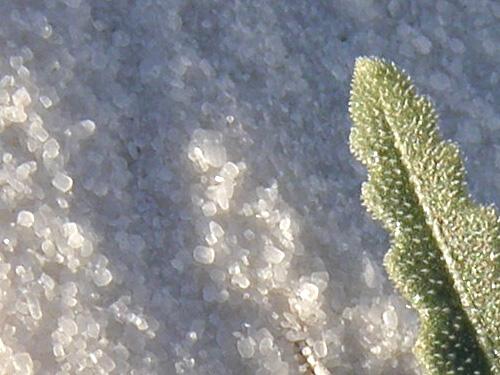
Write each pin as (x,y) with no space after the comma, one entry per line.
(445,249)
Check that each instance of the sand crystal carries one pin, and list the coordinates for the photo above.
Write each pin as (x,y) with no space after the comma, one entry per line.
(176,191)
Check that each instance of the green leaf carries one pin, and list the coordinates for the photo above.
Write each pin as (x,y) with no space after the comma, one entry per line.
(445,249)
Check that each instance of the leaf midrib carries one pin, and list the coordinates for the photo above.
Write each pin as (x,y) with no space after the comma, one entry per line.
(422,207)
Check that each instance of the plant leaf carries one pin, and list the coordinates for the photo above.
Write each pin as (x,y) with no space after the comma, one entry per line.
(445,249)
